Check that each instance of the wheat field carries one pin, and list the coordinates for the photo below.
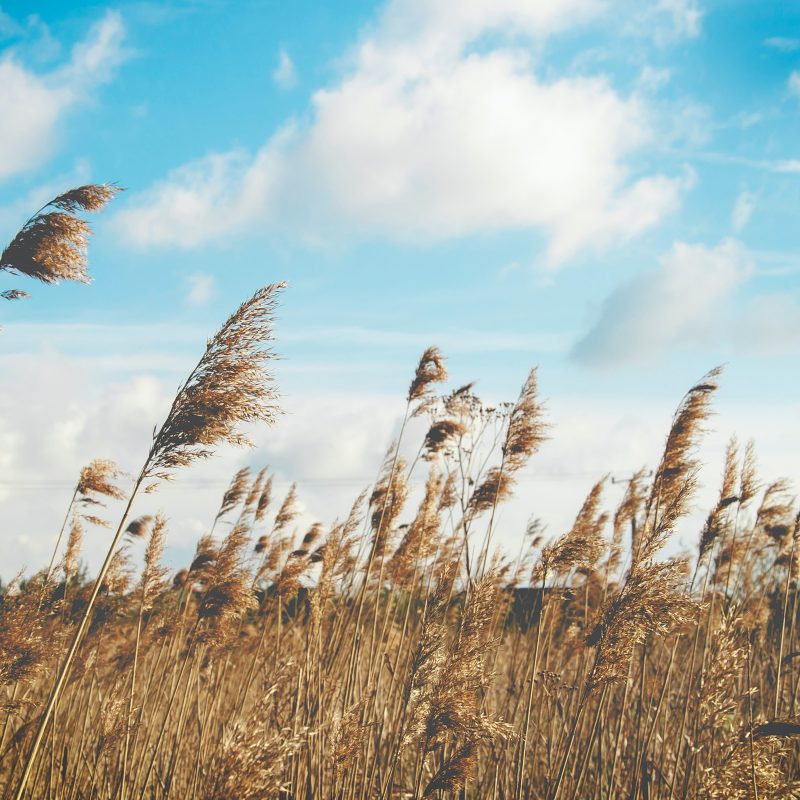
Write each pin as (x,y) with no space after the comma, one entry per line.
(398,652)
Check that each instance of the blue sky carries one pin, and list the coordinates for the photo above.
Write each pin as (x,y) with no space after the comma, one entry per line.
(609,190)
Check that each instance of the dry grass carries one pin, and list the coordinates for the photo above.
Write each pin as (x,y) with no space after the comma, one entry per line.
(396,654)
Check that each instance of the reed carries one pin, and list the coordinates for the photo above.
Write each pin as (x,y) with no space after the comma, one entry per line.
(378,656)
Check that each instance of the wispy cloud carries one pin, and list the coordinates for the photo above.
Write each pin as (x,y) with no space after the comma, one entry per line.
(783,43)
(106,349)
(452,341)
(200,289)
(663,21)
(34,105)
(686,16)
(78,339)
(779,166)
(13,215)
(790,166)
(794,83)
(742,210)
(284,74)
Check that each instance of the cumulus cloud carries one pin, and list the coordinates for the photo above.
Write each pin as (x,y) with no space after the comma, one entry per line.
(679,303)
(33,106)
(284,74)
(425,138)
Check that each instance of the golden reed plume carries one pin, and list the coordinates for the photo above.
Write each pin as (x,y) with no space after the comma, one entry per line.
(51,246)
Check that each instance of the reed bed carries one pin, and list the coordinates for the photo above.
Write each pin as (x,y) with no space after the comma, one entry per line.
(397,652)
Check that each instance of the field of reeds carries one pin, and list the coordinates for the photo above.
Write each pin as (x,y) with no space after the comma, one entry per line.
(398,652)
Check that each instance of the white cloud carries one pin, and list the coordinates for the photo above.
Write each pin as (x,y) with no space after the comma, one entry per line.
(664,22)
(769,325)
(742,210)
(686,16)
(680,303)
(33,106)
(332,443)
(652,79)
(30,110)
(285,74)
(748,120)
(200,289)
(95,58)
(425,139)
(452,341)
(423,29)
(206,200)
(790,166)
(8,25)
(13,215)
(783,43)
(794,83)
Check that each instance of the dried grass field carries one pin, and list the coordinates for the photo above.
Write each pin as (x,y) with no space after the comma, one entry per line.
(397,652)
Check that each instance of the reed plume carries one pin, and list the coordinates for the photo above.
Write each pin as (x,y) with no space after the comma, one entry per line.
(299,560)
(387,501)
(525,433)
(51,245)
(227,583)
(14,294)
(253,757)
(264,500)
(230,387)
(153,580)
(233,494)
(440,437)
(288,511)
(253,495)
(23,646)
(626,514)
(583,544)
(527,430)
(676,477)
(139,527)
(430,371)
(717,520)
(97,481)
(69,563)
(419,540)
(731,780)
